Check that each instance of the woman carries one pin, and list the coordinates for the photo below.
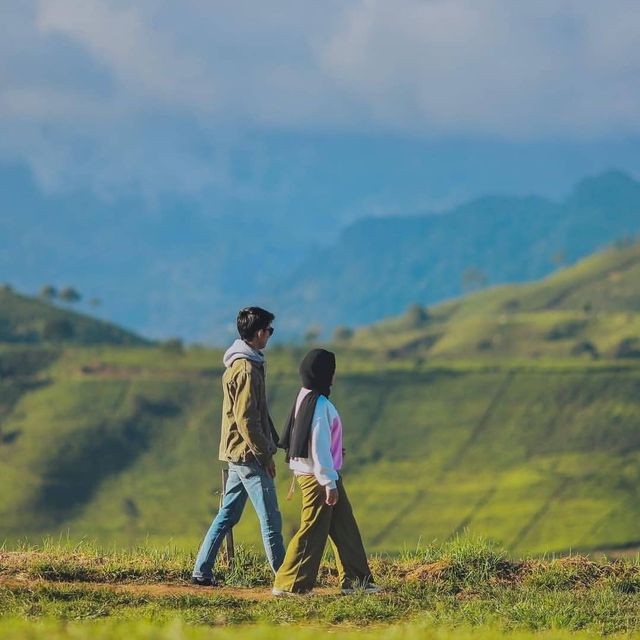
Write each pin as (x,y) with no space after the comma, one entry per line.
(313,441)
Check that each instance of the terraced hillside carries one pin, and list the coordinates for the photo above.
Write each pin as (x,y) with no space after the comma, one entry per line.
(541,454)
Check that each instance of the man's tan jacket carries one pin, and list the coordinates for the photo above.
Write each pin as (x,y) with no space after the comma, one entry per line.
(248,433)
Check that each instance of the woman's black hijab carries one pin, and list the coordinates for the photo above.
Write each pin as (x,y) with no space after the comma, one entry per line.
(316,370)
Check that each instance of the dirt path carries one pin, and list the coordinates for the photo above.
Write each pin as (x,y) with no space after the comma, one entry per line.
(156,590)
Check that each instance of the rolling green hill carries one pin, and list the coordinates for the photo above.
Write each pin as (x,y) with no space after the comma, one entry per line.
(24,319)
(590,309)
(541,454)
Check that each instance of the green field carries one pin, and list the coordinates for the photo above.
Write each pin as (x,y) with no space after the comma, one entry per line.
(541,457)
(178,630)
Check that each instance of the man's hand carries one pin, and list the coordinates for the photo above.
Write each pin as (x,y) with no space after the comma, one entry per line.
(270,468)
(332,496)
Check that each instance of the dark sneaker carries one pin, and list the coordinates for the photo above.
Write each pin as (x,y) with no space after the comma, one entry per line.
(203,582)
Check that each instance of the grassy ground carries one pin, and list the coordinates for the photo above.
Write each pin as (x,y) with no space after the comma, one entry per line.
(465,583)
(178,630)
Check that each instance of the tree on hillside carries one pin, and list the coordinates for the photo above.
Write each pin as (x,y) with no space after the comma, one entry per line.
(48,292)
(95,302)
(558,258)
(625,241)
(173,345)
(312,334)
(473,279)
(70,295)
(416,315)
(342,334)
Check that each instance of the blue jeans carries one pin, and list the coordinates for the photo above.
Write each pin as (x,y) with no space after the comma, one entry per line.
(247,479)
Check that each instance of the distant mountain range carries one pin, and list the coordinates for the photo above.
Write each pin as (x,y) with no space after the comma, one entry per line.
(379,266)
(179,269)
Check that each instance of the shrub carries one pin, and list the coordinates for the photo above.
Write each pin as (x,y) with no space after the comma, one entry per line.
(69,294)
(58,330)
(629,348)
(173,345)
(586,347)
(342,334)
(511,305)
(416,315)
(567,329)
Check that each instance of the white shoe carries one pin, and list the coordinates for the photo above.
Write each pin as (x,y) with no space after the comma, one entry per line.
(368,588)
(281,593)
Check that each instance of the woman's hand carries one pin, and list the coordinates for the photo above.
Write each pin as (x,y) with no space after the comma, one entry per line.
(332,496)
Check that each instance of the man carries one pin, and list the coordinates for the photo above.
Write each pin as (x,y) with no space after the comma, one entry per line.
(248,442)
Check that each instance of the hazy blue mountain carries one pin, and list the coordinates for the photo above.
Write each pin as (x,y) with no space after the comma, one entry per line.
(183,266)
(162,268)
(381,265)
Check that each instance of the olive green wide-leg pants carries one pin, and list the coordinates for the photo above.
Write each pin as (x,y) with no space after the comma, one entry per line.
(318,521)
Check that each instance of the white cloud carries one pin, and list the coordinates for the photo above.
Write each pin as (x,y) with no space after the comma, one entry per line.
(90,89)
(147,63)
(499,68)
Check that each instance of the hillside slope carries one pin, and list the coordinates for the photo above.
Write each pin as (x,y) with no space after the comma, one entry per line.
(379,266)
(24,319)
(538,457)
(591,309)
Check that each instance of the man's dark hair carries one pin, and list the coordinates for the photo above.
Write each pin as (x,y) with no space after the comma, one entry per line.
(251,320)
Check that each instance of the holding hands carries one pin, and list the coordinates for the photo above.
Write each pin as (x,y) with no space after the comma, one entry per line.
(332,496)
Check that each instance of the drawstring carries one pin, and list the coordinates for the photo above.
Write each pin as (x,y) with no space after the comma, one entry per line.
(292,488)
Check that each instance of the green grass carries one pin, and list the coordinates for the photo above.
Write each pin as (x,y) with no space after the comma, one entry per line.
(449,588)
(177,629)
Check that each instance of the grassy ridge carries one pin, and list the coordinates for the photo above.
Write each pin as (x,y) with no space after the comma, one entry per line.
(596,301)
(465,582)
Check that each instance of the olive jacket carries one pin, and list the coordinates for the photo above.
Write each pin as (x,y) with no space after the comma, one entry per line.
(247,432)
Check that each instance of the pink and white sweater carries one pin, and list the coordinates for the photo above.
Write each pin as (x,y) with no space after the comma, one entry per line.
(325,443)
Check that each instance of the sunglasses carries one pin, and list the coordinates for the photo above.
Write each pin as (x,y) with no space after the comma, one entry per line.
(270,330)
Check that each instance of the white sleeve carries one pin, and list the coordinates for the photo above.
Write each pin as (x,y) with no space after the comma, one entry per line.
(321,451)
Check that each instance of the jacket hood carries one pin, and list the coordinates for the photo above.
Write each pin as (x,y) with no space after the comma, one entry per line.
(241,350)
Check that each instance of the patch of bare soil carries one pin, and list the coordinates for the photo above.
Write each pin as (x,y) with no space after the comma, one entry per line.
(159,590)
